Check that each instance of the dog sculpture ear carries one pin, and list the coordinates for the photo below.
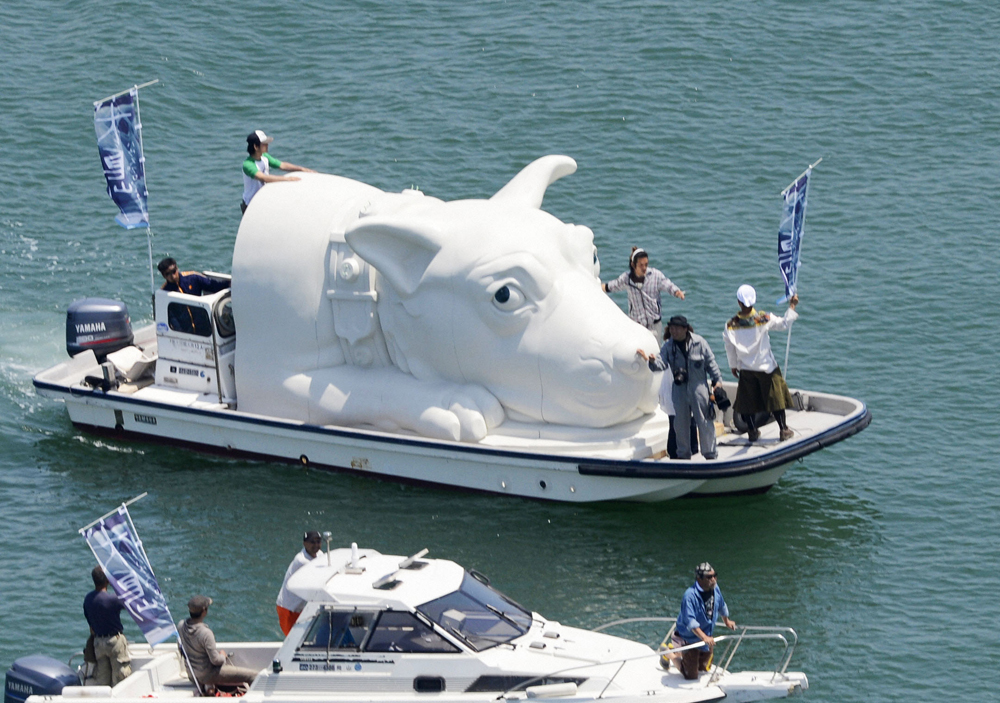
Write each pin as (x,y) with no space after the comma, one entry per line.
(527,188)
(399,249)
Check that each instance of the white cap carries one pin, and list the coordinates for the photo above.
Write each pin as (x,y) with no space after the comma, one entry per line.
(746,295)
(264,139)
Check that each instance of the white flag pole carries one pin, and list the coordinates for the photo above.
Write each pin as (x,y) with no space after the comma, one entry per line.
(138,119)
(123,505)
(788,345)
(145,178)
(136,87)
(788,340)
(782,193)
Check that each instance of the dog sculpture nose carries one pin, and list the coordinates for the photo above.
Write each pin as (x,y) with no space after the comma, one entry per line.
(626,355)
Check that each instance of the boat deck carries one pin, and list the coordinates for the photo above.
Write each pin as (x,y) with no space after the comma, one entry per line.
(160,672)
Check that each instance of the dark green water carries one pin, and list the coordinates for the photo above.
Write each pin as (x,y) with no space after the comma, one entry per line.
(686,122)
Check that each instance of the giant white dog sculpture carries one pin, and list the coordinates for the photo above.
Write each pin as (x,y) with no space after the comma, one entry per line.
(404,312)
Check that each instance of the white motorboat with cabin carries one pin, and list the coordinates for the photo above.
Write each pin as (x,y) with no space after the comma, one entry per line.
(463,344)
(384,628)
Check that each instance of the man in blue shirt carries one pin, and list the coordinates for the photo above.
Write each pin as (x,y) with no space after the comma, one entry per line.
(103,613)
(700,608)
(192,283)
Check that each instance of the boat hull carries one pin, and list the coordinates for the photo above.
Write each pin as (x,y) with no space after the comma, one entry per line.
(564,477)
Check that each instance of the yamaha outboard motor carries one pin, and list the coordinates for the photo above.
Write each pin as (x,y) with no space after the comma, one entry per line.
(37,675)
(98,324)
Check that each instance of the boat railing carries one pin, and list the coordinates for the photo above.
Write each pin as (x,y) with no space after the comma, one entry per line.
(787,636)
(539,681)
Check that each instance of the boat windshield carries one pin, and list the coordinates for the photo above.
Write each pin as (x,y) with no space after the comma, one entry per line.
(478,615)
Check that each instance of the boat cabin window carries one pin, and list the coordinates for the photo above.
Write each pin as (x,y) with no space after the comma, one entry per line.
(478,614)
(398,631)
(332,629)
(189,319)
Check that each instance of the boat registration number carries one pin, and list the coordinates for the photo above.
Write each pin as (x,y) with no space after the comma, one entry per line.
(356,666)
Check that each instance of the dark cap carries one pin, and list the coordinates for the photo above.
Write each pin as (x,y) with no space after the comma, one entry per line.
(702,569)
(197,604)
(678,321)
(311,534)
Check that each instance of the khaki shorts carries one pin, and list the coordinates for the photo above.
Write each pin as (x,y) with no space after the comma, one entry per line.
(113,661)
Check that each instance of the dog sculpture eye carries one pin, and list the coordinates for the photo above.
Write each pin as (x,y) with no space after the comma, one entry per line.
(508,298)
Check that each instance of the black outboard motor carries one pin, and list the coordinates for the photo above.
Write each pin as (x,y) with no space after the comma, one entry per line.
(37,675)
(98,324)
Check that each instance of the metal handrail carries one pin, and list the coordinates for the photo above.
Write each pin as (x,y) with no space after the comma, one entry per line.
(728,652)
(80,670)
(731,645)
(611,662)
(606,625)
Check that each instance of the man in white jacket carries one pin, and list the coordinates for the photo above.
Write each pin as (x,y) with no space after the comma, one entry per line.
(289,605)
(748,346)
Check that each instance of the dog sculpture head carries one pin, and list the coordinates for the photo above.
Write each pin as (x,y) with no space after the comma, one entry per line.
(500,293)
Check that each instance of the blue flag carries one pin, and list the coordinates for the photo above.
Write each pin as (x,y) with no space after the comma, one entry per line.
(119,140)
(793,219)
(119,552)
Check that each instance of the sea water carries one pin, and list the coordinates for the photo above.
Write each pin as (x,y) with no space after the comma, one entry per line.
(686,120)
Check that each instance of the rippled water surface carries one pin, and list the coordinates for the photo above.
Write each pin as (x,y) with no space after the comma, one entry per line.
(686,122)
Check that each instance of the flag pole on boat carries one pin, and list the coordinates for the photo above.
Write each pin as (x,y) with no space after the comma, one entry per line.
(790,231)
(119,142)
(116,545)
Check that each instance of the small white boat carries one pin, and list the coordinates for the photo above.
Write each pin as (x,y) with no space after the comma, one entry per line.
(464,344)
(384,628)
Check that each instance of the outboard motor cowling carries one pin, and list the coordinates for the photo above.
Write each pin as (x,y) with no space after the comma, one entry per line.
(37,675)
(98,324)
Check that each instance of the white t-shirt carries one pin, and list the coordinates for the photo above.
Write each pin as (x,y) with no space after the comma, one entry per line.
(287,599)
(667,392)
(250,169)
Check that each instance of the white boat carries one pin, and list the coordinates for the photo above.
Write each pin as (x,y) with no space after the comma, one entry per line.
(394,630)
(403,337)
(196,408)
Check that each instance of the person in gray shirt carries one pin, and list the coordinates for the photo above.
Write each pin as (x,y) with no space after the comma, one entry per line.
(210,664)
(692,364)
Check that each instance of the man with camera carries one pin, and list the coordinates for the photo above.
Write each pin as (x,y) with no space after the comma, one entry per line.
(692,363)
